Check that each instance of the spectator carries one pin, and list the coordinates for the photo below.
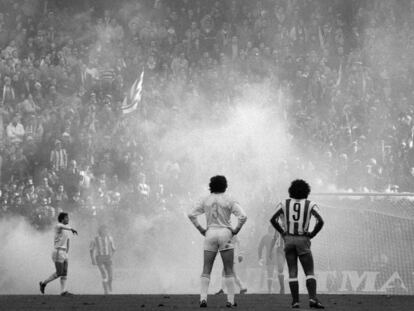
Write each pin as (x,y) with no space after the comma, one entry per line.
(9,94)
(15,131)
(58,158)
(59,198)
(19,164)
(45,191)
(143,188)
(72,178)
(31,198)
(43,215)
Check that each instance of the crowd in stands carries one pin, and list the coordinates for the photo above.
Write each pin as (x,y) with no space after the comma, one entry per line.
(344,67)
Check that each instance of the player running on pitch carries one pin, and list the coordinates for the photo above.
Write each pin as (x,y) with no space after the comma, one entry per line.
(101,250)
(273,258)
(296,213)
(218,208)
(60,254)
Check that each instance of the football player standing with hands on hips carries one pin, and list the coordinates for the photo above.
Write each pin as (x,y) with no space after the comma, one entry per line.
(296,213)
(218,208)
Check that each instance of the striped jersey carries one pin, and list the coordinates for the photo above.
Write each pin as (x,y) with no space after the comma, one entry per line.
(296,215)
(107,75)
(103,245)
(59,159)
(218,208)
(266,243)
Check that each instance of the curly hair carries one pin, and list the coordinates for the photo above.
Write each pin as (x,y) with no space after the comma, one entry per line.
(218,184)
(299,189)
(62,216)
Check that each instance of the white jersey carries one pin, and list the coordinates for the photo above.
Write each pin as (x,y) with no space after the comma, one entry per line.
(218,208)
(61,236)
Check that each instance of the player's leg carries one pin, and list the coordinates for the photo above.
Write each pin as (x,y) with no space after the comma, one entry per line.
(227,256)
(223,286)
(52,277)
(108,267)
(209,257)
(263,275)
(270,268)
(63,278)
(104,276)
(306,260)
(237,279)
(292,263)
(280,264)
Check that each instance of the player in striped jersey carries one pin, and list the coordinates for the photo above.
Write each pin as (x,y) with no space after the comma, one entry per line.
(295,214)
(218,208)
(60,254)
(272,259)
(101,250)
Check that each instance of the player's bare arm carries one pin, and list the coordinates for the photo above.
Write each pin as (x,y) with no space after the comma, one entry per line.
(272,246)
(319,224)
(242,218)
(74,232)
(275,223)
(196,224)
(240,224)
(112,246)
(198,210)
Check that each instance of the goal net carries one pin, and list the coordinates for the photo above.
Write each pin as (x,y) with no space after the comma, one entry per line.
(366,245)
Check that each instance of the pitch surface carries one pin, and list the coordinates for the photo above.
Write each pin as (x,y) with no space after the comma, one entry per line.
(190,302)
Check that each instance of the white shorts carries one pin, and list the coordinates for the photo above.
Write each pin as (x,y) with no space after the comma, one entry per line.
(59,255)
(218,239)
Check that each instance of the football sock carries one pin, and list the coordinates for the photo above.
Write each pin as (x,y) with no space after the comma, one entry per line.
(311,286)
(50,278)
(62,284)
(205,282)
(229,281)
(294,290)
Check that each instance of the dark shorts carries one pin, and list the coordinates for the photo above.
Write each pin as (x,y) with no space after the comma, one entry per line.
(298,244)
(103,260)
(61,268)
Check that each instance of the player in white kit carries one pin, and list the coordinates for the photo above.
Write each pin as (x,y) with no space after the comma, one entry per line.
(60,254)
(218,208)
